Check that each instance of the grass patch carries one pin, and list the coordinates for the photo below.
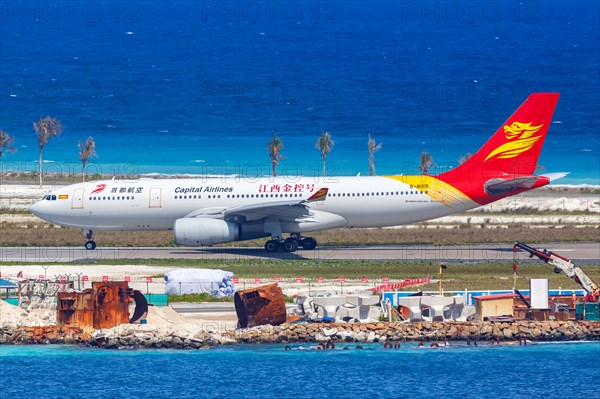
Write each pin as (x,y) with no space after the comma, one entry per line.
(198,298)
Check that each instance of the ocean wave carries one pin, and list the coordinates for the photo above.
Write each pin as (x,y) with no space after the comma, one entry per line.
(580,186)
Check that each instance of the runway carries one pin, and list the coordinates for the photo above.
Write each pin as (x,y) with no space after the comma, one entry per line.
(581,253)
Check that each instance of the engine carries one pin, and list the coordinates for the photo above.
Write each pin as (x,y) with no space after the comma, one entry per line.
(208,231)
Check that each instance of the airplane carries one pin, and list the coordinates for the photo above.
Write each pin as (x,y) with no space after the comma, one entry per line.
(208,211)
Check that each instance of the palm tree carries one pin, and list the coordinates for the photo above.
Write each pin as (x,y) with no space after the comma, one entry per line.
(464,158)
(373,148)
(324,144)
(426,162)
(6,141)
(86,150)
(274,148)
(45,129)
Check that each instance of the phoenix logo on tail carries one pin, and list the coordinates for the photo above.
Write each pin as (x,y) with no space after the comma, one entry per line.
(521,134)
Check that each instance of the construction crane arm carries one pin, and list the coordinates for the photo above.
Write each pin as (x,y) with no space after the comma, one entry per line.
(561,264)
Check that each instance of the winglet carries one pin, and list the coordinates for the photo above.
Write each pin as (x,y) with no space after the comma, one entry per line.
(320,195)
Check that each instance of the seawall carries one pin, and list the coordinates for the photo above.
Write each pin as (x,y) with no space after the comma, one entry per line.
(149,336)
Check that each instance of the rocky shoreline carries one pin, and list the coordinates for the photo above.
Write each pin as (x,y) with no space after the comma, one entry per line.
(149,336)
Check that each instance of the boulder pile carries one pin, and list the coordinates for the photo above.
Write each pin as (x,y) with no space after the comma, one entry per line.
(151,336)
(451,331)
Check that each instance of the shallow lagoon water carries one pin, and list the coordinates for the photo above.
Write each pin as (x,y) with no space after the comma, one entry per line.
(549,370)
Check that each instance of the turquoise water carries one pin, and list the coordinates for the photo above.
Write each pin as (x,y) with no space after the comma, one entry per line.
(199,87)
(552,370)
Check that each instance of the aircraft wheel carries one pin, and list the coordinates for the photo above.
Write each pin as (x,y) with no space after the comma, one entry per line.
(290,245)
(308,243)
(90,245)
(271,246)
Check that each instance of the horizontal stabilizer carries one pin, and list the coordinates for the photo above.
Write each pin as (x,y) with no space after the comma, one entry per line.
(501,186)
(555,176)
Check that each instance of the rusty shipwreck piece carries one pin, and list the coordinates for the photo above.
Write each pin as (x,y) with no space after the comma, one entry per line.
(260,305)
(105,305)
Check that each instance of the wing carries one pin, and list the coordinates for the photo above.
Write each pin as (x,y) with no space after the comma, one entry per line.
(289,210)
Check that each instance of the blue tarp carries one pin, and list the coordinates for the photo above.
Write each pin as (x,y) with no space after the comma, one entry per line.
(6,284)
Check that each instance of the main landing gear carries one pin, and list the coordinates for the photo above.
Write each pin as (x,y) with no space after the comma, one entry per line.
(90,244)
(291,244)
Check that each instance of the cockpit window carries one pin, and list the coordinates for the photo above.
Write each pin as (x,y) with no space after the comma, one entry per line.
(49,197)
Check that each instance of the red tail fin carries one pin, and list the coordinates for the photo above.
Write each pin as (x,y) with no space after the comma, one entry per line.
(511,152)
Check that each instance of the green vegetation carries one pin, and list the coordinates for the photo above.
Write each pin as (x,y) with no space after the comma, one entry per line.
(198,298)
(204,297)
(324,145)
(274,148)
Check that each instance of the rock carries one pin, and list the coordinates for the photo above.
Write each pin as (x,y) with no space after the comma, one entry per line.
(361,336)
(176,342)
(321,338)
(486,329)
(451,331)
(328,332)
(371,337)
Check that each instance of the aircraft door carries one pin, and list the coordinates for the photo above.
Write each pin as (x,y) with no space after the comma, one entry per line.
(155,197)
(77,201)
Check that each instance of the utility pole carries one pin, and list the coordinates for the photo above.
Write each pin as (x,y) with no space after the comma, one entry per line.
(442,268)
(79,281)
(45,272)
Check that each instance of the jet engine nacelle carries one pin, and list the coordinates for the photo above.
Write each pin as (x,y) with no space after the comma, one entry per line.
(208,231)
(204,231)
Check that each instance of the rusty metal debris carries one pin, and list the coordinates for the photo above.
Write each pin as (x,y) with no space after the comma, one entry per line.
(105,305)
(260,305)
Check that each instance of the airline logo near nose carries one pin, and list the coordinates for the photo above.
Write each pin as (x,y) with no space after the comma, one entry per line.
(521,138)
(99,188)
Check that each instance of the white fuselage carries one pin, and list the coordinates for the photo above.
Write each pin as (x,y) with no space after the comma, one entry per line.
(155,204)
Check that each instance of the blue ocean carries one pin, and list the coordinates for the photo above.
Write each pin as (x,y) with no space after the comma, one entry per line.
(199,87)
(566,370)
